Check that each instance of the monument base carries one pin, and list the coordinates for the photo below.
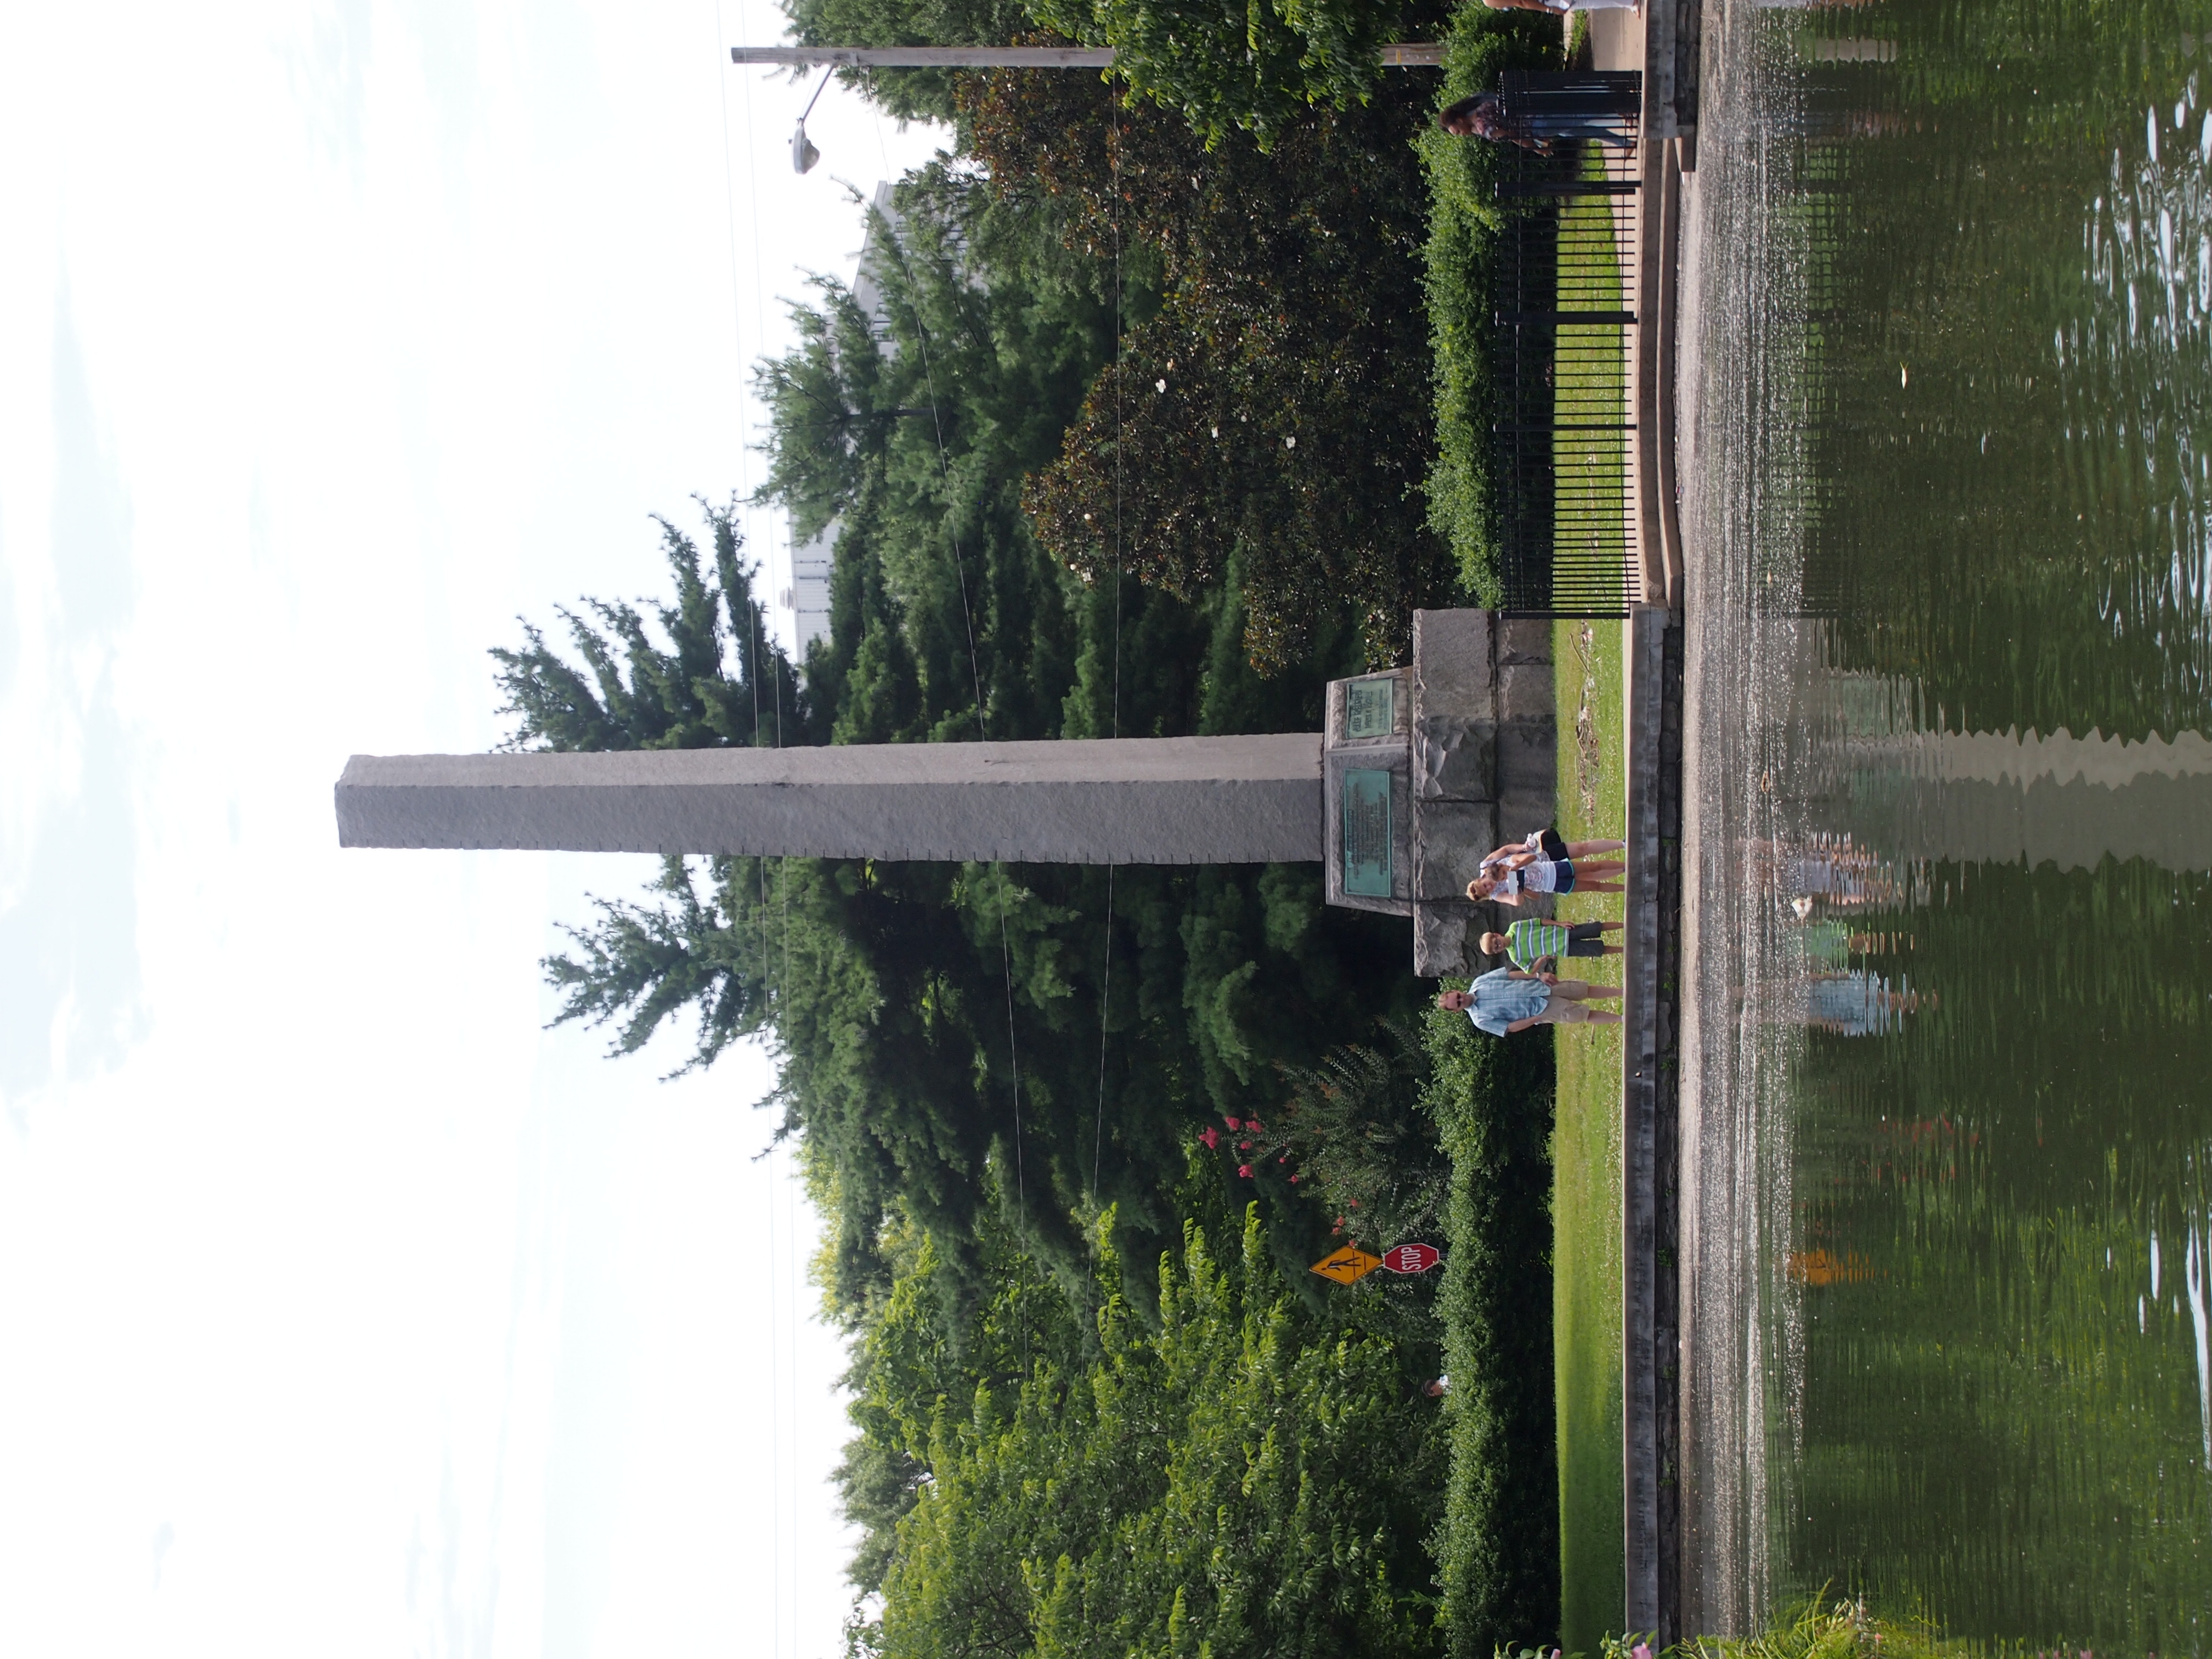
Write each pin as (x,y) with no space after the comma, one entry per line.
(1428,768)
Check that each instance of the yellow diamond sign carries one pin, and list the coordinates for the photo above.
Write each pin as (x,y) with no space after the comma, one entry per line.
(1347,1265)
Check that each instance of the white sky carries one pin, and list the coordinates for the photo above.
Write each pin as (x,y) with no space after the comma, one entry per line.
(345,1309)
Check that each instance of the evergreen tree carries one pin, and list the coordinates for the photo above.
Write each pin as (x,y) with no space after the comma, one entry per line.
(940,1021)
(720,679)
(910,94)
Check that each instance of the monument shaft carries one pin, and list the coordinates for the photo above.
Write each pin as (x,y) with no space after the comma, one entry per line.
(1247,799)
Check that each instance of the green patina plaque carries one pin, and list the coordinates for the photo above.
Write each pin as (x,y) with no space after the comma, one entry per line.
(1367,834)
(1370,707)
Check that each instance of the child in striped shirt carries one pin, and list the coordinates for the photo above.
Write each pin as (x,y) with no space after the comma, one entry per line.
(1530,943)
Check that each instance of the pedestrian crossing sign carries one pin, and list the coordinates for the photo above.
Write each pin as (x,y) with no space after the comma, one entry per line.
(1347,1265)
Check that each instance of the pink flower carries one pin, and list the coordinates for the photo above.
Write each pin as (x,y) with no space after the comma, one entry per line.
(1243,1145)
(1211,1136)
(1284,1159)
(1232,1122)
(1294,1180)
(1641,1650)
(1255,1126)
(1352,1202)
(1244,1170)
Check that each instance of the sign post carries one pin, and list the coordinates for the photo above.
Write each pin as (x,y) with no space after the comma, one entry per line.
(1348,1265)
(1351,1264)
(1411,1258)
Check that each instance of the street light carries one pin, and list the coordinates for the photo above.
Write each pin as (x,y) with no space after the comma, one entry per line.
(804,155)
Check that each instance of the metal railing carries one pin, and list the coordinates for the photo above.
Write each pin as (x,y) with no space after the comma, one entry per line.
(1561,435)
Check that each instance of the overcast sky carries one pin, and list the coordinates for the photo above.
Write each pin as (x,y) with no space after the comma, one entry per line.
(345,1308)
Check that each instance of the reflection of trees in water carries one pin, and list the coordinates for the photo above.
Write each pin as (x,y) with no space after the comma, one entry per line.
(1997,1412)
(2009,300)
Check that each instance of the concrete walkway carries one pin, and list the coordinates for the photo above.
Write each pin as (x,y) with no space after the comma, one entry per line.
(1661,42)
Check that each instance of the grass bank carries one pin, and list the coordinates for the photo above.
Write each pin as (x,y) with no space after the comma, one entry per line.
(1593,804)
(1587,657)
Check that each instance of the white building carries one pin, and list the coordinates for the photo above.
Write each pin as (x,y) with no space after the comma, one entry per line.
(806,596)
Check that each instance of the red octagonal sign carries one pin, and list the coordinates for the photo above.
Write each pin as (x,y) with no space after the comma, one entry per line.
(1411,1258)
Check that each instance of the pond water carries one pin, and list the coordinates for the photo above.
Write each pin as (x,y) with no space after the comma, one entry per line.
(1948,1087)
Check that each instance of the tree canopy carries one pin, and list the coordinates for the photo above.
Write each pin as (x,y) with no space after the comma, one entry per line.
(1275,412)
(1070,1028)
(1199,1481)
(1124,434)
(1234,70)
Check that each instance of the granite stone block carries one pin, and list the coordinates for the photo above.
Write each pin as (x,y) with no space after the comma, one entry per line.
(1528,760)
(1455,759)
(1524,693)
(1524,640)
(1441,936)
(1451,838)
(1452,657)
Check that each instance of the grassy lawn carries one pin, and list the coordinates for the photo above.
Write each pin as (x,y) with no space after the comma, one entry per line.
(1586,1148)
(1586,1161)
(1498,1567)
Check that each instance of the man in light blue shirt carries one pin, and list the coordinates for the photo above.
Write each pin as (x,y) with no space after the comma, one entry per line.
(1506,1000)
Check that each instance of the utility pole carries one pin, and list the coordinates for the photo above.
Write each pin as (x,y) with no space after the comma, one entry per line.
(1411,55)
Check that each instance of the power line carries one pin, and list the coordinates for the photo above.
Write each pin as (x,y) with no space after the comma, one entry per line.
(1408,54)
(1106,983)
(982,729)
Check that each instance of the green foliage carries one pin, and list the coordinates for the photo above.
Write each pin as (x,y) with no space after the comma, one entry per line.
(910,94)
(1498,1548)
(1818,1629)
(1356,1131)
(633,694)
(1000,1076)
(1233,69)
(1207,1484)
(1273,416)
(830,409)
(1462,254)
(922,1010)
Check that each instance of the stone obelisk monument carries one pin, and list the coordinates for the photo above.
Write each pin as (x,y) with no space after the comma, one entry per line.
(1114,800)
(1398,797)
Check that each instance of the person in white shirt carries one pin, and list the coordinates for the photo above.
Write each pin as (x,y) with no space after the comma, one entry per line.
(1546,864)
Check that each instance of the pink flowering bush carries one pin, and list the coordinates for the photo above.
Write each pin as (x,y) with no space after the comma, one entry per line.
(1354,1131)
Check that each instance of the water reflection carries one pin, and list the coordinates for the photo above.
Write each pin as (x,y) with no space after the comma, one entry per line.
(1948,1101)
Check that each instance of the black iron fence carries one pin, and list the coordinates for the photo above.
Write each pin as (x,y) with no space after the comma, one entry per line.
(1562,435)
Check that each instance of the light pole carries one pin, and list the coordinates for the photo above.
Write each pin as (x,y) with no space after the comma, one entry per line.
(1414,54)
(803,152)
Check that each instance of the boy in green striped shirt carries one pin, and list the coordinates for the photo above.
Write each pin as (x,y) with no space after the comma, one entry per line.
(1532,942)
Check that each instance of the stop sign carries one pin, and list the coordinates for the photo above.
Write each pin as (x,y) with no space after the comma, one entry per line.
(1411,1258)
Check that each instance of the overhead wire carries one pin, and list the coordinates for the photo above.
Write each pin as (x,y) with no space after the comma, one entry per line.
(787,1350)
(975,670)
(782,1301)
(1106,981)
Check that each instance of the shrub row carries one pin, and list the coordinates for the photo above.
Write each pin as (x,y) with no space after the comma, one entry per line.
(1462,257)
(1498,1550)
